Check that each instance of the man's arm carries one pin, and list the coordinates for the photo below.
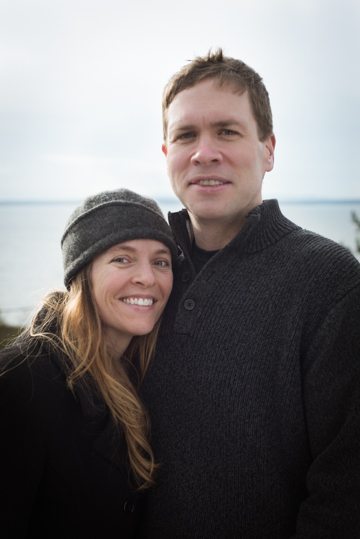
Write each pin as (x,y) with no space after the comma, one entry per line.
(332,408)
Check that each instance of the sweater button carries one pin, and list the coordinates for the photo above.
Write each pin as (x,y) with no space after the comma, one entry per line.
(189,304)
(129,507)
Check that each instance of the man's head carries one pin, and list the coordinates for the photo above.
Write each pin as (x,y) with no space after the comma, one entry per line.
(225,71)
(218,143)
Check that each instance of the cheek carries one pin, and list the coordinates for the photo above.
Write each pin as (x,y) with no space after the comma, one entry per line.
(244,155)
(176,162)
(98,298)
(166,286)
(169,285)
(103,287)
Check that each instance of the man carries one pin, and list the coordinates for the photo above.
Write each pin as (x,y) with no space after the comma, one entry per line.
(254,393)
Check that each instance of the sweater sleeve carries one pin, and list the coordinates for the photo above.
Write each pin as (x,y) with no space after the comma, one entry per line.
(332,408)
(21,449)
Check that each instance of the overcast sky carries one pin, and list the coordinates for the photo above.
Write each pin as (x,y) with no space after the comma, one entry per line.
(81,84)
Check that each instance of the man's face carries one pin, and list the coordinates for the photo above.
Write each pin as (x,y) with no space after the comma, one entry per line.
(216,162)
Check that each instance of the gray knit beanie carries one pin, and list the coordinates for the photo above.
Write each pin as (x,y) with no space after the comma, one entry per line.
(109,218)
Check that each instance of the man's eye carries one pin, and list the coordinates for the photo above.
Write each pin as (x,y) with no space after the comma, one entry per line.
(228,132)
(187,135)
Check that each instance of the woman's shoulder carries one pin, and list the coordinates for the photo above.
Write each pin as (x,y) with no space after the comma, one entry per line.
(26,366)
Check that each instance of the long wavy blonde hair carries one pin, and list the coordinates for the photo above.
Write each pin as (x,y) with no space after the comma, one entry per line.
(79,336)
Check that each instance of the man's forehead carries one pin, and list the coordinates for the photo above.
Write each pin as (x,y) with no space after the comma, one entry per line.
(218,83)
(211,84)
(190,107)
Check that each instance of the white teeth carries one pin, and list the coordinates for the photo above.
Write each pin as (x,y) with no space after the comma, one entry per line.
(146,302)
(210,182)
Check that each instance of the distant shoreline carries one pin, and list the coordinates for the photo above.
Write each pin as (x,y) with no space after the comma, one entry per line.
(173,201)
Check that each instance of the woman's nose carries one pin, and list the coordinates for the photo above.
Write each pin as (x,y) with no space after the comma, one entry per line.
(144,274)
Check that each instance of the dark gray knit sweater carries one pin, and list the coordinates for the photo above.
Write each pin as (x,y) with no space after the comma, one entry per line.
(254,395)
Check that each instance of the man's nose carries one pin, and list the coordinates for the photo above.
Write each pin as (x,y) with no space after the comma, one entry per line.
(206,152)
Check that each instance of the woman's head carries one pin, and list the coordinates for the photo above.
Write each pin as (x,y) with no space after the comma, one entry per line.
(126,246)
(108,218)
(131,283)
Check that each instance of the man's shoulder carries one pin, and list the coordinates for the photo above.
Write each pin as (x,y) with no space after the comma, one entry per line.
(318,266)
(314,248)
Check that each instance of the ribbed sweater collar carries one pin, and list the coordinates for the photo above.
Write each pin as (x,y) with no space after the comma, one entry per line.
(264,226)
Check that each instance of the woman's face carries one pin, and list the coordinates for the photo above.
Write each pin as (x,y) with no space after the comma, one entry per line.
(131,283)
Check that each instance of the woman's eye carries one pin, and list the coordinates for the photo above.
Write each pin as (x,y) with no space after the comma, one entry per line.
(121,260)
(163,263)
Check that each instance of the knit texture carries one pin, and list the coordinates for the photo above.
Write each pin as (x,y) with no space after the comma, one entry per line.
(109,218)
(254,392)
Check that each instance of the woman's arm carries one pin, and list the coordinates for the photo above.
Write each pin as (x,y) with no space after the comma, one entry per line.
(21,448)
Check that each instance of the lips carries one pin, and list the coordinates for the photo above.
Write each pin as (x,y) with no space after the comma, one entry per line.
(208,181)
(142,302)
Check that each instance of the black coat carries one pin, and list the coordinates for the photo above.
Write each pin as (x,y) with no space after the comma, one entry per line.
(63,462)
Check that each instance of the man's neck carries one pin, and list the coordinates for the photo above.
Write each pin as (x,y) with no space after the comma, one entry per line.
(214,235)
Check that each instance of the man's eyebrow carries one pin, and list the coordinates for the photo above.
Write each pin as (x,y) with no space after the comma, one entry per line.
(181,127)
(176,127)
(227,123)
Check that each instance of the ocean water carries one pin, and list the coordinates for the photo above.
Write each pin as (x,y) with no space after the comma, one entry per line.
(31,262)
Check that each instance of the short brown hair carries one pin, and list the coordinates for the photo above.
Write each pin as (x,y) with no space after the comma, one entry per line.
(226,71)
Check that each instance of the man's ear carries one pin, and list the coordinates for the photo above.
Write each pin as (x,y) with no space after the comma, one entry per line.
(271,142)
(270,147)
(164,149)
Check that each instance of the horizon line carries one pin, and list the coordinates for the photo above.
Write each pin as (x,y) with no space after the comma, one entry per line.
(174,200)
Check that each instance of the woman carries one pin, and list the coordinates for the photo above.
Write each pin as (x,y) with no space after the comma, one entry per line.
(74,451)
